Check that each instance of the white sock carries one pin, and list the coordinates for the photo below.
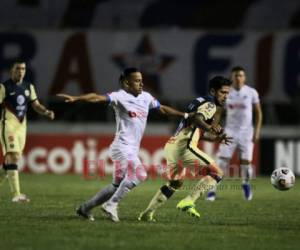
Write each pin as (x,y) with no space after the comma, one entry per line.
(102,196)
(246,172)
(124,188)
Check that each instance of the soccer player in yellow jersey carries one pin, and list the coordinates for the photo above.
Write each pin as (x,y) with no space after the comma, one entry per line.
(15,96)
(181,151)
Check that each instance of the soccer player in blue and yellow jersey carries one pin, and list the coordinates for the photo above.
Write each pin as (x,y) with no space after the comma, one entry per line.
(15,96)
(182,153)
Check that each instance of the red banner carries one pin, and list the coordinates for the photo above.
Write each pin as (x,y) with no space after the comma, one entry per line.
(60,154)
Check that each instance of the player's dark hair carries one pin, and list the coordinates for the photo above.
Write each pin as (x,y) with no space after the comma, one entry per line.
(218,82)
(237,68)
(17,61)
(126,74)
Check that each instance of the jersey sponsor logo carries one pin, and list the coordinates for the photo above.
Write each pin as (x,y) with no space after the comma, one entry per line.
(21,107)
(20,99)
(237,106)
(134,114)
(10,138)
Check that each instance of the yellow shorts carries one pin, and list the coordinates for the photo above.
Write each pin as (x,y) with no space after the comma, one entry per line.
(180,156)
(13,136)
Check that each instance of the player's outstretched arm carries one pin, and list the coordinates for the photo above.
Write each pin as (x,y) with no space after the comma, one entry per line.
(42,110)
(166,110)
(91,97)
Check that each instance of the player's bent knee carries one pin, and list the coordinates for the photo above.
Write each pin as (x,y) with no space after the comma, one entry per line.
(138,176)
(141,174)
(215,169)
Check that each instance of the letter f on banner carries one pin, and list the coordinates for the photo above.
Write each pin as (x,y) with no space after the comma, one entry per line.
(205,64)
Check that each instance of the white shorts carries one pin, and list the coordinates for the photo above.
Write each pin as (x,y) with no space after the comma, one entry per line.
(242,141)
(127,164)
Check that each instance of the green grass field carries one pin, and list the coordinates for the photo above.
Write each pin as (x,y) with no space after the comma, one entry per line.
(270,221)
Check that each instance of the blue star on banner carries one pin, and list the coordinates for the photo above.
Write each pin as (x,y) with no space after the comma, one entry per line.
(148,61)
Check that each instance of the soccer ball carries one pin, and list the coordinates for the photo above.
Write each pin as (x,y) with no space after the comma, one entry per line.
(283,179)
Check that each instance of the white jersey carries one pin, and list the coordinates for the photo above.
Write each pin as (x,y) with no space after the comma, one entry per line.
(131,117)
(239,108)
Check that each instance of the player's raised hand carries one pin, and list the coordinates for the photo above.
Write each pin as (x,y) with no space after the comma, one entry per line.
(68,98)
(223,138)
(50,114)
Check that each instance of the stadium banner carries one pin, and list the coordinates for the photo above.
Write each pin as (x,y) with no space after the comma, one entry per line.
(88,155)
(84,61)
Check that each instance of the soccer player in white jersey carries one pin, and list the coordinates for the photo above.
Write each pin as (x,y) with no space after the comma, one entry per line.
(240,104)
(131,105)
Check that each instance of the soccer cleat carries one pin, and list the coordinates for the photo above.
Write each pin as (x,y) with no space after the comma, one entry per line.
(87,216)
(22,198)
(111,211)
(211,196)
(188,207)
(247,191)
(149,217)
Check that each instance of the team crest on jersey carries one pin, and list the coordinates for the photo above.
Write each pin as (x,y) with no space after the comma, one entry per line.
(27,93)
